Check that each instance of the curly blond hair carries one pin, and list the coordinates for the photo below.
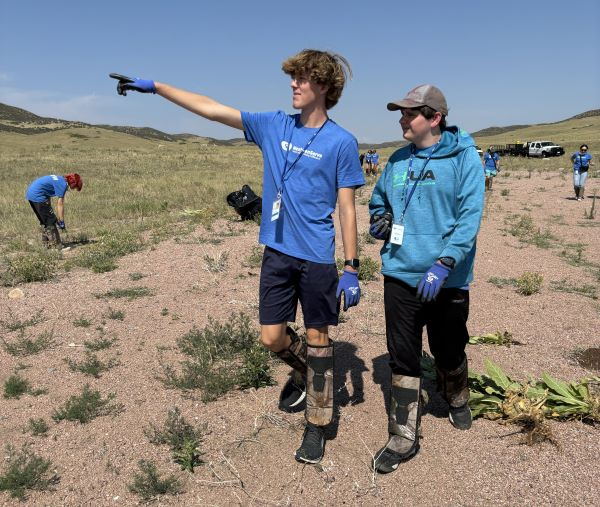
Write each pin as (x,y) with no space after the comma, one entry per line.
(323,68)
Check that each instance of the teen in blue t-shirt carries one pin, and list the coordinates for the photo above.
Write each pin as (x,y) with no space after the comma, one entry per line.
(39,194)
(310,165)
(582,161)
(491,166)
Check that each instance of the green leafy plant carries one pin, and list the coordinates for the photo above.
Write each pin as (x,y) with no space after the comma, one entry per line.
(136,276)
(585,290)
(498,338)
(529,283)
(102,256)
(148,484)
(129,293)
(86,407)
(25,470)
(30,267)
(23,346)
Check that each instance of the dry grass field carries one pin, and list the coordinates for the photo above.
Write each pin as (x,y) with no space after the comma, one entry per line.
(111,391)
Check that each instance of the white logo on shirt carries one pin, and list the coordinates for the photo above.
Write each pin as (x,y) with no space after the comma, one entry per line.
(285,146)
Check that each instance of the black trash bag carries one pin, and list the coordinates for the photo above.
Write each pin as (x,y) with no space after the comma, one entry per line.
(245,202)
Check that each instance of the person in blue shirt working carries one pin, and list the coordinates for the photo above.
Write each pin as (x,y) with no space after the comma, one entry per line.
(491,167)
(426,207)
(374,162)
(39,194)
(582,161)
(310,164)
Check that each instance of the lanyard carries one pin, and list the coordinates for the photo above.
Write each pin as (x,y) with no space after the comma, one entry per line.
(285,174)
(406,182)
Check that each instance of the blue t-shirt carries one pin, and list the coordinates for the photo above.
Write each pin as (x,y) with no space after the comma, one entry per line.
(44,188)
(313,175)
(490,160)
(581,160)
(375,158)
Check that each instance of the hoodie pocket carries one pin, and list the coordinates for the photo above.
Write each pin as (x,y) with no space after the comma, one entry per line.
(417,252)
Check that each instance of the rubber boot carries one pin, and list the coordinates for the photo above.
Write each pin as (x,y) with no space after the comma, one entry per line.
(453,385)
(319,384)
(581,192)
(403,424)
(577,189)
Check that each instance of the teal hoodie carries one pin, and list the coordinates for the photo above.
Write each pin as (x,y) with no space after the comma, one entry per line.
(443,215)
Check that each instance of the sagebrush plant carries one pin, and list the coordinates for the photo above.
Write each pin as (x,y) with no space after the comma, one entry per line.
(148,484)
(24,346)
(25,470)
(221,357)
(529,283)
(100,343)
(115,314)
(86,407)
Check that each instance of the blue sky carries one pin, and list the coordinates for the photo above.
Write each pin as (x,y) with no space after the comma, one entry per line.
(498,63)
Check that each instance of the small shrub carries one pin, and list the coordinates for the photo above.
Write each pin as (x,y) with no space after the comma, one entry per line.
(504,192)
(15,324)
(86,407)
(91,365)
(16,386)
(102,256)
(24,471)
(100,343)
(30,267)
(38,427)
(26,346)
(221,357)
(254,260)
(136,276)
(82,322)
(368,269)
(529,283)
(115,314)
(148,484)
(130,293)
(164,312)
(216,263)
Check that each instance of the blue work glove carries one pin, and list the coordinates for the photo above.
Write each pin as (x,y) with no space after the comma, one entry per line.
(133,83)
(348,284)
(61,224)
(432,282)
(381,226)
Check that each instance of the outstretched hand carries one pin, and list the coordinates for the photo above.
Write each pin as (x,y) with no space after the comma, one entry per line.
(133,83)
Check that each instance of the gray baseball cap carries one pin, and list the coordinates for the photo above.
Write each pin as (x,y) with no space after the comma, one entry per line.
(422,95)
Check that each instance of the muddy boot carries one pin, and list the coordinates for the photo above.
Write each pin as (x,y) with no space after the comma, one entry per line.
(45,238)
(319,384)
(581,192)
(293,394)
(577,189)
(454,388)
(403,424)
(53,237)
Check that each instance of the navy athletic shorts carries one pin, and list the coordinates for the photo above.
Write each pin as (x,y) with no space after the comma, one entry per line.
(285,280)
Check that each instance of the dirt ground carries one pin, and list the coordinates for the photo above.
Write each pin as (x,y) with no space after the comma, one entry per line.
(250,444)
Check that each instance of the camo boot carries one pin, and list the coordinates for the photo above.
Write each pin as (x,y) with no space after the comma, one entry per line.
(319,402)
(453,385)
(403,424)
(45,238)
(293,394)
(53,237)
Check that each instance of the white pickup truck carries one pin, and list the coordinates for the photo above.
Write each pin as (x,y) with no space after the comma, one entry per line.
(544,149)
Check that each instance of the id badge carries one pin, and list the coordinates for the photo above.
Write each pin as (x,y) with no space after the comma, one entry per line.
(397,234)
(275,210)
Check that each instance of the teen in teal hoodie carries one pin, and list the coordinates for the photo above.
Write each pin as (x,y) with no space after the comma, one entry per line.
(426,207)
(443,215)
